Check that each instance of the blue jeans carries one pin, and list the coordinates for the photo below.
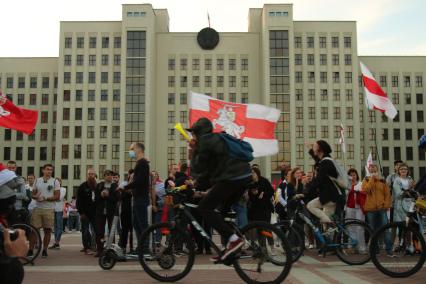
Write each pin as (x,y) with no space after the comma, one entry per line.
(58,226)
(140,216)
(241,211)
(378,219)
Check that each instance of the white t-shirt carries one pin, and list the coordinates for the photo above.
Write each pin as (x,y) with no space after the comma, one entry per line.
(59,205)
(46,189)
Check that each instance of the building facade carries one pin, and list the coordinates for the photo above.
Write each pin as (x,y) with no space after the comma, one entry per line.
(126,81)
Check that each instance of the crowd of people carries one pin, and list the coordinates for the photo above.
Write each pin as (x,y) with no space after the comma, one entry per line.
(140,199)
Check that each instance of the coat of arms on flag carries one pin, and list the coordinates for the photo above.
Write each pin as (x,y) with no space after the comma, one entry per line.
(250,122)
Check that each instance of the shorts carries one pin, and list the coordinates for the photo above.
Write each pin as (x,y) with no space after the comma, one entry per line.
(43,218)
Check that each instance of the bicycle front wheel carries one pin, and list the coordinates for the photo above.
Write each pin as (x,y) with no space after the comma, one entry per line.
(352,242)
(398,250)
(295,237)
(33,239)
(266,256)
(167,252)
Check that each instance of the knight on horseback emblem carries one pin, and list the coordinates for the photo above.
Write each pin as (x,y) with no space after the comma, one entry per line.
(227,123)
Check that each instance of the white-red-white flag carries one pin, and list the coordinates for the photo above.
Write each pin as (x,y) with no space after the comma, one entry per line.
(342,138)
(375,97)
(17,118)
(250,122)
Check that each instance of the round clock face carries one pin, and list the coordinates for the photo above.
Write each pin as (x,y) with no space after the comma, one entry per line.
(208,38)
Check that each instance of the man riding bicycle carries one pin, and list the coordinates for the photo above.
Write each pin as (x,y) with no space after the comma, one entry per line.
(228,177)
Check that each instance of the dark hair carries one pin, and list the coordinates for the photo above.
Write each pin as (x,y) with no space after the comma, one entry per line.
(141,146)
(352,170)
(131,171)
(183,167)
(255,166)
(30,175)
(397,162)
(47,165)
(293,176)
(257,171)
(11,163)
(108,173)
(116,174)
(324,147)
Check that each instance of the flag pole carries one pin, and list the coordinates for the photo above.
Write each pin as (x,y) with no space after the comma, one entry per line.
(375,144)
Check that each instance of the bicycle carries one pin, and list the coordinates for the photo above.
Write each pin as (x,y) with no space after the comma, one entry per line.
(398,249)
(349,239)
(172,250)
(23,222)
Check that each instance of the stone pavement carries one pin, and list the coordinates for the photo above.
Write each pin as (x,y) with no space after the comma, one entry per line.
(69,265)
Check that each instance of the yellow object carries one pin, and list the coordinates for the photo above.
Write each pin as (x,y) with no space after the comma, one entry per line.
(182,131)
(421,204)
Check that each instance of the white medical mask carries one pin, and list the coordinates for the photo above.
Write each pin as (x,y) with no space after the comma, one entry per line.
(132,154)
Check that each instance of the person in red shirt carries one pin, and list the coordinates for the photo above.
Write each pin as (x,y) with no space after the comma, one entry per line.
(355,209)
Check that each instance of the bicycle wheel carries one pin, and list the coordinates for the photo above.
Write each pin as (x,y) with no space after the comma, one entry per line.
(352,242)
(398,250)
(295,237)
(169,252)
(31,233)
(265,257)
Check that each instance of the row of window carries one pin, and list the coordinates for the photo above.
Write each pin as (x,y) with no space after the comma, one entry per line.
(92,42)
(34,82)
(323,76)
(397,134)
(20,137)
(32,99)
(232,97)
(310,59)
(220,81)
(90,132)
(103,113)
(324,95)
(409,156)
(220,64)
(79,61)
(19,153)
(91,77)
(406,79)
(322,41)
(91,95)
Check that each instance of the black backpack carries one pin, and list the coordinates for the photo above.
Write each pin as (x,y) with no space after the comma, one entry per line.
(238,149)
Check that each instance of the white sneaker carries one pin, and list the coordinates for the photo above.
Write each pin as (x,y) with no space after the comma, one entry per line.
(311,246)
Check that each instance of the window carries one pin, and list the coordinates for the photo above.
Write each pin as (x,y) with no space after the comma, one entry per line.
(6,153)
(335,42)
(311,95)
(408,134)
(349,96)
(171,134)
(171,81)
(79,77)
(298,59)
(349,113)
(385,153)
(395,98)
(92,60)
(336,95)
(323,59)
(183,81)
(244,64)
(323,77)
(219,64)
(310,41)
(420,117)
(299,112)
(68,42)
(77,171)
(347,42)
(64,172)
(220,96)
(298,42)
(117,59)
(348,59)
(77,151)
(396,134)
(116,95)
(44,117)
(43,153)
(80,42)
(66,114)
(104,95)
(21,99)
(116,132)
(65,132)
(195,81)
(116,113)
(117,42)
(92,42)
(244,81)
(183,98)
(171,64)
(348,77)
(336,113)
(232,64)
(335,59)
(102,151)
(397,153)
(312,131)
(170,155)
(171,116)
(67,77)
(19,136)
(103,132)
(19,153)
(171,99)
(385,135)
(298,77)
(104,113)
(78,95)
(45,82)
(33,99)
(207,81)
(183,63)
(104,77)
(407,116)
(91,95)
(311,112)
(65,152)
(324,113)
(311,59)
(394,81)
(115,151)
(104,59)
(244,98)
(33,82)
(324,131)
(311,77)
(419,99)
(90,132)
(105,42)
(232,97)
(323,42)
(419,81)
(208,64)
(407,98)
(80,60)
(67,60)
(183,116)
(43,134)
(299,95)
(407,81)
(31,153)
(195,64)
(117,77)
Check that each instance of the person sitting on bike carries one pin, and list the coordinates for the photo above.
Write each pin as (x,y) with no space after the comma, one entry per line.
(211,163)
(9,180)
(324,205)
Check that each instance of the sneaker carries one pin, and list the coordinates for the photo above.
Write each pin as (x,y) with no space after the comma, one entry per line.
(44,254)
(30,253)
(232,247)
(215,258)
(311,246)
(390,255)
(55,246)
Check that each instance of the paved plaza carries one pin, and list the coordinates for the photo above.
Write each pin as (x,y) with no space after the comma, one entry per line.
(69,265)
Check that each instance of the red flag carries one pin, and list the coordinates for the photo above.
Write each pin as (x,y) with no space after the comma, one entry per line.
(376,98)
(16,118)
(250,122)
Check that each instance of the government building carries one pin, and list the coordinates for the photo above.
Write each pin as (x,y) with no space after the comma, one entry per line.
(126,81)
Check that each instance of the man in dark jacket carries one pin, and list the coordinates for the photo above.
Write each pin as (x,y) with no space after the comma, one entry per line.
(325,204)
(86,207)
(211,162)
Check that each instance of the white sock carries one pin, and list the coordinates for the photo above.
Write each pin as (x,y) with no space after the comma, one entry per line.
(233,238)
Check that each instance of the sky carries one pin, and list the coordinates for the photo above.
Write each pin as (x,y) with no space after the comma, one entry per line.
(30,28)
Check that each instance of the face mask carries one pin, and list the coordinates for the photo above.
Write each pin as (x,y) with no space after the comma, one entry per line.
(132,154)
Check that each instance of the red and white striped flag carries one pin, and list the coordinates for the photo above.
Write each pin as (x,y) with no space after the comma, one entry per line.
(376,98)
(13,117)
(251,122)
(342,138)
